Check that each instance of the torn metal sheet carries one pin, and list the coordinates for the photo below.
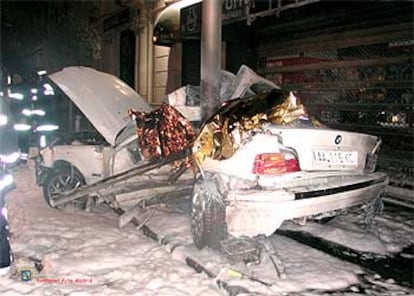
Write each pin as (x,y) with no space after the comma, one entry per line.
(186,99)
(245,83)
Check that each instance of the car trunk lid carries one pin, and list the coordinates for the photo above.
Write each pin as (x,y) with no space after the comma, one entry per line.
(323,149)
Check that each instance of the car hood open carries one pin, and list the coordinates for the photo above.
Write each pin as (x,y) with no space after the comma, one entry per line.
(103,98)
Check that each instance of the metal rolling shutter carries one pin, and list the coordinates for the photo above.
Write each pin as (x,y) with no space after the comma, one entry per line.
(353,67)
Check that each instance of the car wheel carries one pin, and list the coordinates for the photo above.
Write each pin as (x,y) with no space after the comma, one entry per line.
(60,180)
(208,214)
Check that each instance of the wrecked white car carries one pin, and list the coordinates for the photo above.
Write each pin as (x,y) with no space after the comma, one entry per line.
(259,160)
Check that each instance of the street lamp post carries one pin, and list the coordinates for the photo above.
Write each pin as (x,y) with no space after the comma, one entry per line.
(210,56)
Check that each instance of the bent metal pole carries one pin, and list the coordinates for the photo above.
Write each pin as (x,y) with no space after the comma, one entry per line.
(210,56)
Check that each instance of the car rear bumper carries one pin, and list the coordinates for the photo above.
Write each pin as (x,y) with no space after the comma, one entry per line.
(252,212)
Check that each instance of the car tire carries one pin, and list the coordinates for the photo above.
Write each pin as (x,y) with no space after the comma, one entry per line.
(208,214)
(60,180)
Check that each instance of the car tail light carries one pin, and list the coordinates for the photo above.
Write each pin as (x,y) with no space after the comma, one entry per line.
(275,163)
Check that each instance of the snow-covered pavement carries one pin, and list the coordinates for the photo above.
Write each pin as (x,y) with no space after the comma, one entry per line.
(86,253)
(83,253)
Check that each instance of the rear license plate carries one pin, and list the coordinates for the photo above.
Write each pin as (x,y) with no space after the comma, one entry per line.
(332,157)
